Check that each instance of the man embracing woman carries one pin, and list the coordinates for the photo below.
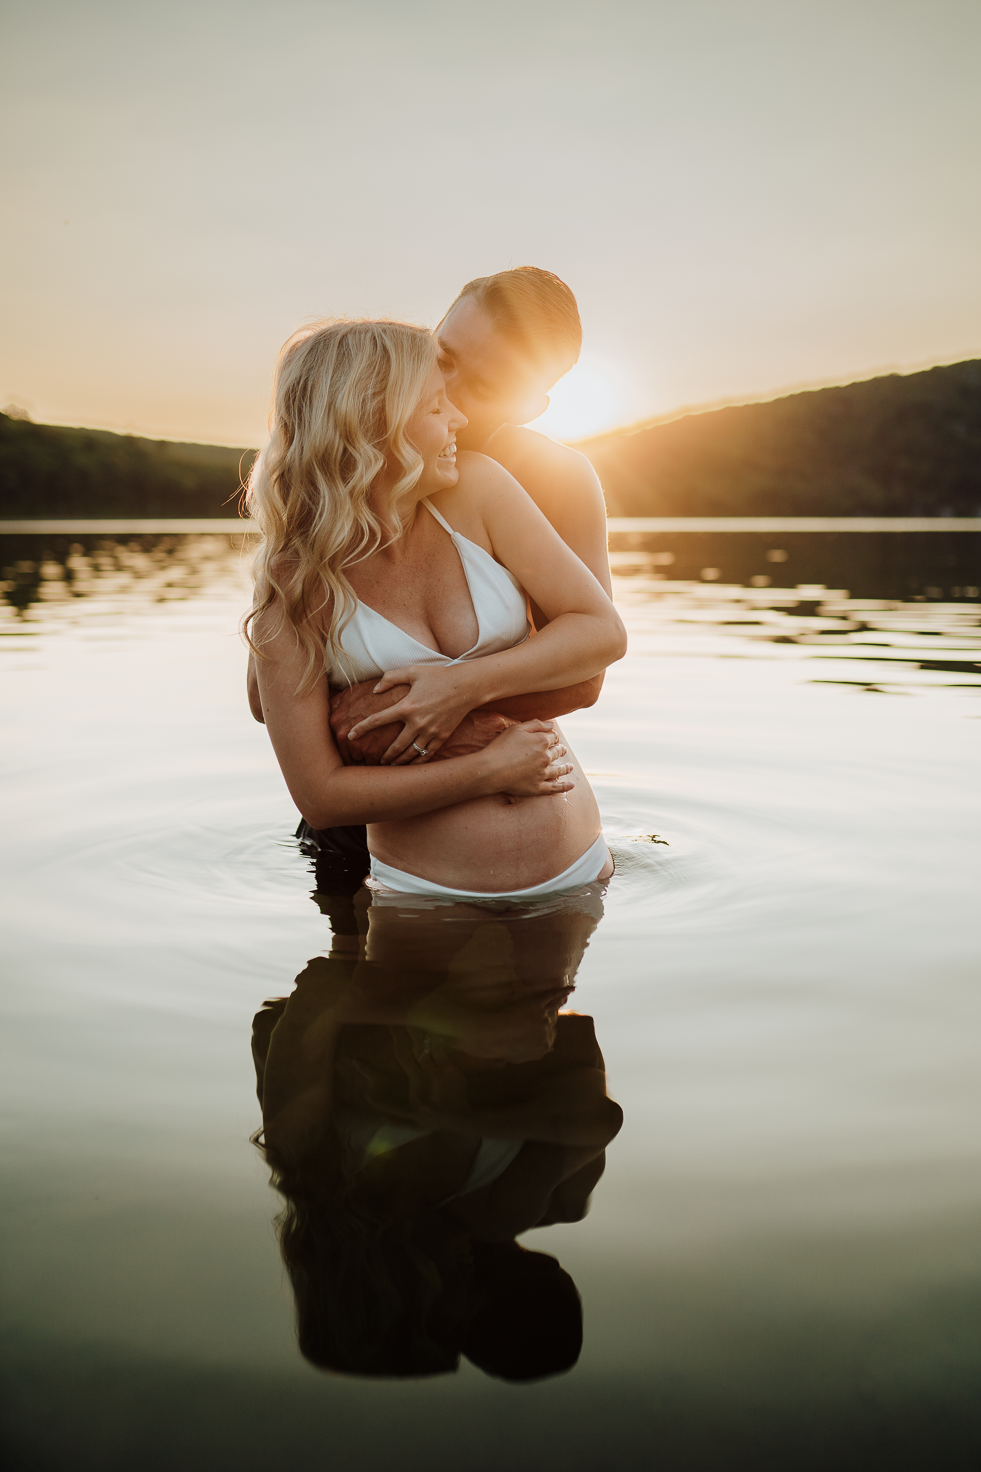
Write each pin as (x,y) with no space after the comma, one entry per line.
(432,590)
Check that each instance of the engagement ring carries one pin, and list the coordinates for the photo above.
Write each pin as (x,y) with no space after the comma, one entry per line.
(420,749)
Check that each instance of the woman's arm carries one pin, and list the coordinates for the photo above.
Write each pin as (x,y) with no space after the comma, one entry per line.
(565,488)
(252,690)
(584,634)
(548,705)
(520,762)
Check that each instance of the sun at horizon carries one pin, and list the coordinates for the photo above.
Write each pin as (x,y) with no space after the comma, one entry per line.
(594,396)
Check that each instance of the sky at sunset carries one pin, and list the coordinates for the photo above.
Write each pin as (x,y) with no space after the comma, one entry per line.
(745,195)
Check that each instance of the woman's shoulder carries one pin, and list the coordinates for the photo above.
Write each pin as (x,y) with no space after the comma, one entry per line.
(482,483)
(480,469)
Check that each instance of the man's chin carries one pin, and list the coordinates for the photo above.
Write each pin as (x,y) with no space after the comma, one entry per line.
(476,436)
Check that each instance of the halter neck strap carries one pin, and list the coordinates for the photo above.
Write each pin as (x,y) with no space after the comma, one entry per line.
(441,519)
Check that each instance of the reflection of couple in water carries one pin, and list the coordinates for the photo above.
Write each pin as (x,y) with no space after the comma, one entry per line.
(421,617)
(424,1102)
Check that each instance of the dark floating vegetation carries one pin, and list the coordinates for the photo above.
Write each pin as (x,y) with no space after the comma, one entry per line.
(900,445)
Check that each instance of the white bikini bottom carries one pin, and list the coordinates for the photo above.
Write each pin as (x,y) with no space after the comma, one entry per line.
(583,871)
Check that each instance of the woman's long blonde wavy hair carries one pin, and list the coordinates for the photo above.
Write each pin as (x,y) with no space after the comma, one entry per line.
(344,394)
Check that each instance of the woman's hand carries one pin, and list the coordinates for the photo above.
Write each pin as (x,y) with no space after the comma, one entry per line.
(527,761)
(438,698)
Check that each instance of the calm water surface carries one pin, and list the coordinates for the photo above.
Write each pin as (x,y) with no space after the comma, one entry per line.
(781,1266)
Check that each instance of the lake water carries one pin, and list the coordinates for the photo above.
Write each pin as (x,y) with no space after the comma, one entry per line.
(781,1266)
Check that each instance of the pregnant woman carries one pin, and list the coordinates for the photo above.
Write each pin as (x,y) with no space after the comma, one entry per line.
(384,558)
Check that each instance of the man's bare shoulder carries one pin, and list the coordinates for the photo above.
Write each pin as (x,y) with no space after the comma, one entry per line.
(544,467)
(483,485)
(516,445)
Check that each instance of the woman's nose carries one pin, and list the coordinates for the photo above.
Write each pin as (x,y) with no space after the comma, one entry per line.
(458,420)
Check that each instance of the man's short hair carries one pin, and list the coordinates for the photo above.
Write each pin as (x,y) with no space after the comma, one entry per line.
(533,309)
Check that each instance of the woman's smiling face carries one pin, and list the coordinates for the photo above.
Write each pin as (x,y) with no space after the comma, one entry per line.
(432,430)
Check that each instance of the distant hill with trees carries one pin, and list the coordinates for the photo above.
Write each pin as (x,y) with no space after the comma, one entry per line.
(900,445)
(49,471)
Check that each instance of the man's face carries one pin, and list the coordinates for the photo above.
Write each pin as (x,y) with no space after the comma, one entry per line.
(487,377)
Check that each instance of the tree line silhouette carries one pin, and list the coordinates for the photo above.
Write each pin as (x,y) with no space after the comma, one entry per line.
(49,471)
(898,445)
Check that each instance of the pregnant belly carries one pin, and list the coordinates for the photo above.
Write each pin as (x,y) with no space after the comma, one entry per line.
(493,843)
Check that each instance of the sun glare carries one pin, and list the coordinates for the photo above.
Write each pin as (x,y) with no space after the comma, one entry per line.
(593,396)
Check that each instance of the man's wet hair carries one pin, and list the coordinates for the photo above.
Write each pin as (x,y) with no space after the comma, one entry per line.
(534,310)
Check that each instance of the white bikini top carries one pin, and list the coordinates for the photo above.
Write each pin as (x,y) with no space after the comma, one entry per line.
(371,643)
